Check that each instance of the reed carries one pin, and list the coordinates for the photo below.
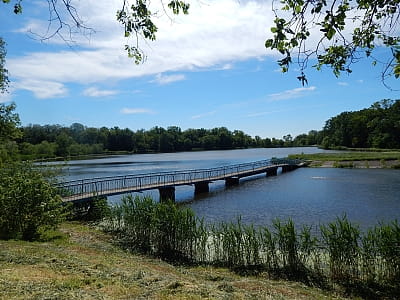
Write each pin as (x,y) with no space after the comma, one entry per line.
(287,244)
(339,252)
(341,240)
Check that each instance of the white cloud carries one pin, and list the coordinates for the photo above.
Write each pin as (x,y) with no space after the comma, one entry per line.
(95,92)
(234,30)
(210,113)
(290,94)
(42,89)
(133,111)
(343,83)
(360,81)
(166,79)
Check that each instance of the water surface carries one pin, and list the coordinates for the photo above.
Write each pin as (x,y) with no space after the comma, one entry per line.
(307,195)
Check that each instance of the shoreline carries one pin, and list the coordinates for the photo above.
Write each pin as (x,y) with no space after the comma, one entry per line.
(356,164)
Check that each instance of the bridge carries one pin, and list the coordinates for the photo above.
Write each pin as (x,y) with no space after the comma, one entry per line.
(84,190)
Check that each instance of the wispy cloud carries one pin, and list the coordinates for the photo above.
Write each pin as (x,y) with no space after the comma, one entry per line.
(210,113)
(360,81)
(343,83)
(42,89)
(133,111)
(95,92)
(291,94)
(195,44)
(166,79)
(224,67)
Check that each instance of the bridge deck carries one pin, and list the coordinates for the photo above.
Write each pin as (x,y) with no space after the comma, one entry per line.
(81,190)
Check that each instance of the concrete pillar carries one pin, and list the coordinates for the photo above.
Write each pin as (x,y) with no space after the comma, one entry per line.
(272,171)
(167,193)
(201,187)
(288,168)
(231,181)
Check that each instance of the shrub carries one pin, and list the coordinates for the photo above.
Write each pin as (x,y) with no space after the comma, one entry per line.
(29,204)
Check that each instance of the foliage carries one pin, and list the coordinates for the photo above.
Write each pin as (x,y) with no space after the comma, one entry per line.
(8,132)
(9,122)
(55,140)
(337,33)
(338,253)
(374,127)
(135,16)
(29,204)
(98,209)
(3,71)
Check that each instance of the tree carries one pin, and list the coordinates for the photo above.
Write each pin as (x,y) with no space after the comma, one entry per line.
(9,122)
(8,132)
(297,22)
(3,71)
(337,44)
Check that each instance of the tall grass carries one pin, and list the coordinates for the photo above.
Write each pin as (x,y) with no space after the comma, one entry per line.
(338,251)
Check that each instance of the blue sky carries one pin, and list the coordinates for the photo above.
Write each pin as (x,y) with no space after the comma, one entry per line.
(205,70)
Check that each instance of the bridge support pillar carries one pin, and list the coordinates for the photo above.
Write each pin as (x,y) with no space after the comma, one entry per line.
(230,181)
(272,171)
(288,168)
(167,193)
(201,187)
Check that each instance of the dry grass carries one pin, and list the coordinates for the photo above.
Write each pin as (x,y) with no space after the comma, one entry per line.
(84,264)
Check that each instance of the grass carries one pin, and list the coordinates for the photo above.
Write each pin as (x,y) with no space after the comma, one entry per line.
(337,254)
(81,262)
(353,159)
(349,156)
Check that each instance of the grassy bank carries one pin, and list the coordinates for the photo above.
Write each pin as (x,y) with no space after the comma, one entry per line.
(82,263)
(352,159)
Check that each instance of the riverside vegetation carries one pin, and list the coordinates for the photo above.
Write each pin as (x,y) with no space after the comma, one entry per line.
(334,255)
(354,158)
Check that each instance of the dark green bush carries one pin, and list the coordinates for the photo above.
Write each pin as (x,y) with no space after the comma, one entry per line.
(29,204)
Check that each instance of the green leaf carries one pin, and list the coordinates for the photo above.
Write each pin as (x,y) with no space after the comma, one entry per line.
(331,32)
(269,43)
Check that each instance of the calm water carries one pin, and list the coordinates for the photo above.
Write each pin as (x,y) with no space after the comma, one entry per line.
(307,195)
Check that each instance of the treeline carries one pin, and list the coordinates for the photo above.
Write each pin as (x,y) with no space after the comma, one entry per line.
(47,141)
(374,127)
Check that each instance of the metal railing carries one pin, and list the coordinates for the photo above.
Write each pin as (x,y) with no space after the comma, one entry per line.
(76,189)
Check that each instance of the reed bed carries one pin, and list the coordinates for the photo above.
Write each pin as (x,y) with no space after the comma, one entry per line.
(337,252)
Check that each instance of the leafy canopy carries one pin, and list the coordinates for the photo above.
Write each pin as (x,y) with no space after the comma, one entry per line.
(348,30)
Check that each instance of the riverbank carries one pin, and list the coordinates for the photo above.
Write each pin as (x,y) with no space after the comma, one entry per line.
(82,263)
(352,159)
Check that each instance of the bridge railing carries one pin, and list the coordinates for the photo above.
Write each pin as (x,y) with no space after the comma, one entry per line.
(76,188)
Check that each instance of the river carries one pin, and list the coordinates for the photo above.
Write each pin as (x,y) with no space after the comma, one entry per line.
(307,195)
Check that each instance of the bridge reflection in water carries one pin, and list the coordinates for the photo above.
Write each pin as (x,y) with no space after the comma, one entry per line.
(84,190)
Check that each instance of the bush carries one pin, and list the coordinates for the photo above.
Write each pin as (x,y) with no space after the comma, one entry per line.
(29,204)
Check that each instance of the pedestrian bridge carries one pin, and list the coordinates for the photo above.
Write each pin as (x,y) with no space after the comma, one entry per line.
(84,190)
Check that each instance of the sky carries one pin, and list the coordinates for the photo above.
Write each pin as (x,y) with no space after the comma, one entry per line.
(206,69)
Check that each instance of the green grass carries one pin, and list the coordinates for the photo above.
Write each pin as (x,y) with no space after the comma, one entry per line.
(83,263)
(349,156)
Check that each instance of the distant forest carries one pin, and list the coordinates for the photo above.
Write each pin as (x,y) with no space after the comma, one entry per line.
(48,141)
(374,127)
